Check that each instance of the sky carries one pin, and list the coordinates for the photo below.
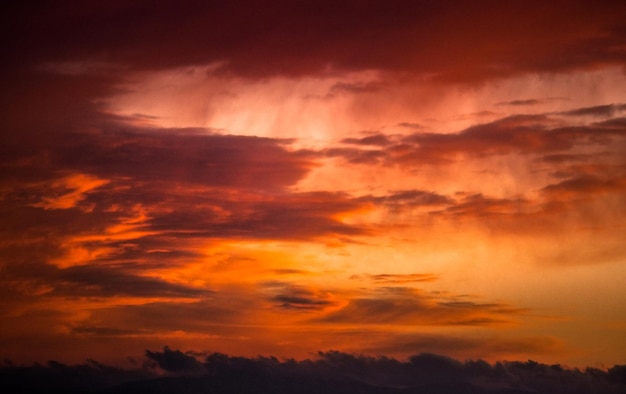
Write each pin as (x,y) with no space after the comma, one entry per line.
(282,178)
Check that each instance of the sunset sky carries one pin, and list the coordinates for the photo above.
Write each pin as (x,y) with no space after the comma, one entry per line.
(287,177)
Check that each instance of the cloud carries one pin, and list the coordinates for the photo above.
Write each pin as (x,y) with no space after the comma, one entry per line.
(479,206)
(183,156)
(88,213)
(515,134)
(396,278)
(218,315)
(330,371)
(608,110)
(409,198)
(584,186)
(409,125)
(489,39)
(520,102)
(55,376)
(355,88)
(174,360)
(404,306)
(300,298)
(496,347)
(523,135)
(376,140)
(102,281)
(110,223)
(94,280)
(558,158)
(356,155)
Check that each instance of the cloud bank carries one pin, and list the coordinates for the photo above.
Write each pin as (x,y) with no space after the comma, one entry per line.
(330,372)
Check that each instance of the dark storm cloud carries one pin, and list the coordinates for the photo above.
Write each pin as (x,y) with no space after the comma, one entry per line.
(329,372)
(457,41)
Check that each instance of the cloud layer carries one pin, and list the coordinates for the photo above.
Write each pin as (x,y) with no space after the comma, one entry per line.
(288,177)
(332,372)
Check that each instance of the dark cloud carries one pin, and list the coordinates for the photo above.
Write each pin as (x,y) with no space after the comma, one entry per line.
(398,305)
(239,214)
(328,372)
(396,278)
(356,155)
(300,300)
(289,296)
(104,332)
(608,110)
(479,206)
(298,216)
(519,134)
(477,115)
(56,123)
(182,156)
(216,315)
(94,205)
(515,135)
(294,297)
(55,377)
(94,280)
(132,198)
(453,41)
(376,140)
(558,158)
(521,102)
(174,360)
(102,281)
(409,198)
(410,125)
(355,88)
(585,187)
